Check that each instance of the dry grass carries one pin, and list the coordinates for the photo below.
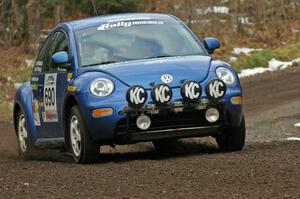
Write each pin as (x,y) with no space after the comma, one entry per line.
(13,70)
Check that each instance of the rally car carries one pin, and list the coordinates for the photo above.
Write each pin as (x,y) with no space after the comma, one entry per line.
(127,78)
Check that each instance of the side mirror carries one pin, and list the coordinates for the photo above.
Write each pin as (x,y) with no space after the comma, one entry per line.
(61,59)
(211,44)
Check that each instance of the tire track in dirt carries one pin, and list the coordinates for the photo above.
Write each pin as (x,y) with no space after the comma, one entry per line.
(272,105)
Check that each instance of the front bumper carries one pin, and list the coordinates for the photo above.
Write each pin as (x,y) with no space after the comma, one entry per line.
(177,120)
(114,128)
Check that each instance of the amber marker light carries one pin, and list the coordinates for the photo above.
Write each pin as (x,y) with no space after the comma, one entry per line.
(238,100)
(102,112)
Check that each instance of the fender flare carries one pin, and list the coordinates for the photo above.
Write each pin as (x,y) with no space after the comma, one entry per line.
(23,102)
(68,101)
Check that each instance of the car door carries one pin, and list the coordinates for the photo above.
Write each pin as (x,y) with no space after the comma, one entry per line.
(52,82)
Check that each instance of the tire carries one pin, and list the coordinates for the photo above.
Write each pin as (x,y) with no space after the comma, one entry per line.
(83,148)
(25,150)
(165,145)
(233,138)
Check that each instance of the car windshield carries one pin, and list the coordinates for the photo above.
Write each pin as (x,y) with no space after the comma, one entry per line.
(128,40)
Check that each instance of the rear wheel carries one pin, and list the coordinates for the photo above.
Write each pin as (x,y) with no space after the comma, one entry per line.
(84,149)
(165,145)
(233,138)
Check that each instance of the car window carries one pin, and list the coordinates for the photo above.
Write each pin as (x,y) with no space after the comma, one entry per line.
(134,40)
(42,54)
(59,42)
(56,42)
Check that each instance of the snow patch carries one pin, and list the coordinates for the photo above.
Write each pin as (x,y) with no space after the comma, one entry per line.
(276,64)
(246,51)
(10,79)
(214,9)
(297,125)
(252,71)
(245,21)
(293,139)
(220,9)
(232,58)
(200,21)
(29,62)
(177,6)
(273,65)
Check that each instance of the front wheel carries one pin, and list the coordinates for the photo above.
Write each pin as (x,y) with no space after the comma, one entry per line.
(24,149)
(233,138)
(84,149)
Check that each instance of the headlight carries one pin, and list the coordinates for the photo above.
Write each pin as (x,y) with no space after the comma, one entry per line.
(225,75)
(102,87)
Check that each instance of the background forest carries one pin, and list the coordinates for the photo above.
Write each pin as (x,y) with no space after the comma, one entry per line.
(271,22)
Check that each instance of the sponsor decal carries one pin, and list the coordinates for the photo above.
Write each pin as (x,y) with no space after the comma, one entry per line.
(119,24)
(41,104)
(36,115)
(38,66)
(72,88)
(215,89)
(69,76)
(161,94)
(191,91)
(136,96)
(50,114)
(39,63)
(35,79)
(34,87)
(166,78)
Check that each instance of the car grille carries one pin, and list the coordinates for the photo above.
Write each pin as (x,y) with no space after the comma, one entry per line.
(169,120)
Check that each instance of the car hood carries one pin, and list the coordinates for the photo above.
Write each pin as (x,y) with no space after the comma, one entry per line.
(149,72)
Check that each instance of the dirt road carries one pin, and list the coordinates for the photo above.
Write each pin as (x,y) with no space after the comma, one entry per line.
(268,167)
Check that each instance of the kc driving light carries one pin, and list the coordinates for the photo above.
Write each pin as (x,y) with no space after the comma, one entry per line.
(102,87)
(225,75)
(143,122)
(212,115)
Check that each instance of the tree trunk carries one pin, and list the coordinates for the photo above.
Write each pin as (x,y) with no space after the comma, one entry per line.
(19,24)
(33,22)
(59,10)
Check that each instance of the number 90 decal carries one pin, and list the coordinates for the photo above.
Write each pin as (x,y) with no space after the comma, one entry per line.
(49,96)
(50,114)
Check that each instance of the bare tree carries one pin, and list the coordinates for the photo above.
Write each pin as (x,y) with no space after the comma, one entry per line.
(33,21)
(59,11)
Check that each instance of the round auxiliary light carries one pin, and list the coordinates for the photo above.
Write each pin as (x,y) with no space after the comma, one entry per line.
(161,94)
(143,122)
(136,96)
(212,115)
(215,89)
(191,91)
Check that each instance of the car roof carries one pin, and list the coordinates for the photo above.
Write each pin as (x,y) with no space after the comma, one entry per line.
(93,21)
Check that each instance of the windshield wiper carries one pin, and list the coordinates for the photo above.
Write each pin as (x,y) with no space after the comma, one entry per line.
(100,63)
(158,56)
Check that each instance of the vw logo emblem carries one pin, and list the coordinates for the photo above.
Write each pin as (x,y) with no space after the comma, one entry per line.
(166,78)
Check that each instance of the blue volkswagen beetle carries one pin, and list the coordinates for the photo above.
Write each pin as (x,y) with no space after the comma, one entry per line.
(127,78)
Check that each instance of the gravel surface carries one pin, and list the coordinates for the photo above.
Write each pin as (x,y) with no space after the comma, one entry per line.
(268,167)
